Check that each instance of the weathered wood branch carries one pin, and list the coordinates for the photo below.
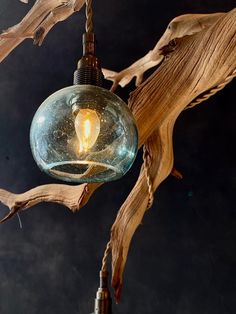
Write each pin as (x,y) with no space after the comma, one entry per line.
(180,26)
(37,23)
(197,64)
(130,215)
(73,197)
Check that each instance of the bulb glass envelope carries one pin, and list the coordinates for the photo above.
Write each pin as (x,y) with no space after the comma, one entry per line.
(84,133)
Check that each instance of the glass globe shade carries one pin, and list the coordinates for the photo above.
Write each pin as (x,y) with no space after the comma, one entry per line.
(84,133)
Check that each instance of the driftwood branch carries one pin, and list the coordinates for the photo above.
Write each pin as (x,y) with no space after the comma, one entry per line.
(197,53)
(37,23)
(180,26)
(73,197)
(130,215)
(198,63)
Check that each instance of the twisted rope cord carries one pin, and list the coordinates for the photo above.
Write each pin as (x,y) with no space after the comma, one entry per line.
(212,91)
(198,100)
(147,161)
(105,257)
(89,16)
(146,164)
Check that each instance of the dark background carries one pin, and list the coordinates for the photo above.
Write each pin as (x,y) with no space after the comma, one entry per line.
(182,258)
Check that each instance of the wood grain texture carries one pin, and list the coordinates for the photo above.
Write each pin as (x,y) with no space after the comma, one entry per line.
(37,23)
(180,26)
(198,63)
(73,197)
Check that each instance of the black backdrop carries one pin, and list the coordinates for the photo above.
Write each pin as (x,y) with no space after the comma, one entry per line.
(182,258)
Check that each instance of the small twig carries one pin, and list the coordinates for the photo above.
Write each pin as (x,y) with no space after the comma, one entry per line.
(175,173)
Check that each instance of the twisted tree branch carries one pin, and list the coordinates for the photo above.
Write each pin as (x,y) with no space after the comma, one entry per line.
(130,215)
(198,63)
(37,23)
(73,197)
(180,26)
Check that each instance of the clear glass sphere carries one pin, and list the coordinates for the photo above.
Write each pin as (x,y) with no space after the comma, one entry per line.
(84,133)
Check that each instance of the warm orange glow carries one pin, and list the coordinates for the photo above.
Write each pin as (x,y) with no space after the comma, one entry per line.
(87,127)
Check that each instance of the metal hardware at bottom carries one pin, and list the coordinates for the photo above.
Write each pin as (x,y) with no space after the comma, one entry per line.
(103,303)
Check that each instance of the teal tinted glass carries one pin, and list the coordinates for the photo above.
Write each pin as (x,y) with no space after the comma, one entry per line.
(84,133)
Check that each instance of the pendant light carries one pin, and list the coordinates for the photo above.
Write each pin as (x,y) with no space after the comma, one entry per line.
(84,133)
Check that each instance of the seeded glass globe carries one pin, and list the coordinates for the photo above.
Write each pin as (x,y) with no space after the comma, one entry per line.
(84,133)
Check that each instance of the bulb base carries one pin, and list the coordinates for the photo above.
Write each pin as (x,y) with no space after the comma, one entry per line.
(87,74)
(89,68)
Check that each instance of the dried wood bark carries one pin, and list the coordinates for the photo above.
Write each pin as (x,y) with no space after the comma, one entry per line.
(197,53)
(198,63)
(180,26)
(37,23)
(73,197)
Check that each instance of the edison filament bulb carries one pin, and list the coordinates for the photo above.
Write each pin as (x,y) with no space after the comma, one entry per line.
(87,128)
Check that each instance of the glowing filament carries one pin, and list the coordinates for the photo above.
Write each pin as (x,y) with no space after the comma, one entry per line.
(87,127)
